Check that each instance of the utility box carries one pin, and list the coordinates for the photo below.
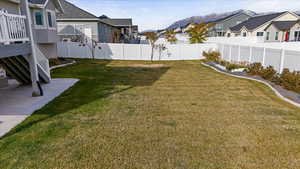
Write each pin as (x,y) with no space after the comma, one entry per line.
(3,78)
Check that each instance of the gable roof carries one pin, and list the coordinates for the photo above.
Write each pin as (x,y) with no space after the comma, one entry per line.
(255,22)
(230,16)
(71,11)
(117,22)
(283,25)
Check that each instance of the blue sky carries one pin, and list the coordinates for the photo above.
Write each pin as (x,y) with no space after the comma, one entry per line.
(158,14)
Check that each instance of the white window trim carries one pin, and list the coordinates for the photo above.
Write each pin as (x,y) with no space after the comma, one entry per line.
(44,20)
(53,17)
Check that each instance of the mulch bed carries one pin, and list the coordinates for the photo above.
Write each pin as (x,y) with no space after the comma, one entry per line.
(284,92)
(59,61)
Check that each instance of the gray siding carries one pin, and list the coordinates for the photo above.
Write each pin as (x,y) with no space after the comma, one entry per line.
(73,28)
(47,38)
(11,8)
(107,33)
(225,25)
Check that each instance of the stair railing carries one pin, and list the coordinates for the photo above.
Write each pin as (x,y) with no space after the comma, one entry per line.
(43,61)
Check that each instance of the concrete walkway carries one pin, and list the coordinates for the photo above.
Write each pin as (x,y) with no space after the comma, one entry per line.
(16,103)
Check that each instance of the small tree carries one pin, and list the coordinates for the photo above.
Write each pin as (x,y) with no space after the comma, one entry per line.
(90,43)
(152,37)
(198,32)
(170,36)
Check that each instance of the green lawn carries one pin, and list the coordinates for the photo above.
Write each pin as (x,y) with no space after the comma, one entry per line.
(175,115)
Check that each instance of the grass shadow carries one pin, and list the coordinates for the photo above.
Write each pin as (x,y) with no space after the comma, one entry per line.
(98,80)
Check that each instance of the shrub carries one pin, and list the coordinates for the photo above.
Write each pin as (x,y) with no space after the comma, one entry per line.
(255,69)
(269,73)
(289,80)
(231,66)
(54,62)
(212,56)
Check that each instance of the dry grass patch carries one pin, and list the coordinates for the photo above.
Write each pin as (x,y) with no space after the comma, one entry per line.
(179,115)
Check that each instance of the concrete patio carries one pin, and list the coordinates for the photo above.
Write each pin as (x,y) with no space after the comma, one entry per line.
(16,103)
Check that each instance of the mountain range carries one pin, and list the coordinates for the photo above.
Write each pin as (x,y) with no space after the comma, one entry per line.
(213,17)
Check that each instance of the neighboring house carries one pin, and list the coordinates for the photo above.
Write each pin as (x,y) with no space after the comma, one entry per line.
(129,32)
(256,26)
(283,31)
(76,23)
(222,25)
(28,37)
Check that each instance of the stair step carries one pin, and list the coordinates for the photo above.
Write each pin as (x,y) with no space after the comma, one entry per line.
(18,68)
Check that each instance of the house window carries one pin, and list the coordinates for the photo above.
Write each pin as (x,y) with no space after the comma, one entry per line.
(39,17)
(297,36)
(260,34)
(50,20)
(268,36)
(276,35)
(244,34)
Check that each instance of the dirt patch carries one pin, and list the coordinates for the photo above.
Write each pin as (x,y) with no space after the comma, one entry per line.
(148,65)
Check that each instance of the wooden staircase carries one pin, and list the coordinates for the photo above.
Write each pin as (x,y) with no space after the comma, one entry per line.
(18,68)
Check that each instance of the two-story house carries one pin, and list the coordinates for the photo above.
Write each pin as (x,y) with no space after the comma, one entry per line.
(76,23)
(257,26)
(283,31)
(222,25)
(28,37)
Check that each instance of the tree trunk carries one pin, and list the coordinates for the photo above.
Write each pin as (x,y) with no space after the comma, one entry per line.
(152,53)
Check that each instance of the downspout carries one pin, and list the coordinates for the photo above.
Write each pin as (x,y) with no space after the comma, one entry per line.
(36,88)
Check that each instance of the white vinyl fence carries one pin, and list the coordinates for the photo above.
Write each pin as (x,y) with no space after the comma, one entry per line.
(278,55)
(115,51)
(237,39)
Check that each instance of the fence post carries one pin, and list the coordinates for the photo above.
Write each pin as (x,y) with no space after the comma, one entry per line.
(123,52)
(230,52)
(180,55)
(141,52)
(251,53)
(239,54)
(264,57)
(68,48)
(223,48)
(282,60)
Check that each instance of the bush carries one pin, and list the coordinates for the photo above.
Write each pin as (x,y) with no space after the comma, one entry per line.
(212,56)
(289,80)
(54,62)
(269,73)
(255,69)
(231,66)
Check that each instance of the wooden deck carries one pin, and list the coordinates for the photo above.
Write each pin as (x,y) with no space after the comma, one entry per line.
(14,50)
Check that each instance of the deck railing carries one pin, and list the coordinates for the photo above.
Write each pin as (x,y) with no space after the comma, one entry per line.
(12,28)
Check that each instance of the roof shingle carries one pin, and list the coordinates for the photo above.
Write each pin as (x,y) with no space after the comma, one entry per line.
(73,12)
(284,25)
(117,22)
(256,21)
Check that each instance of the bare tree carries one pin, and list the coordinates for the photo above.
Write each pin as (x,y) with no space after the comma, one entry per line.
(152,37)
(90,43)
